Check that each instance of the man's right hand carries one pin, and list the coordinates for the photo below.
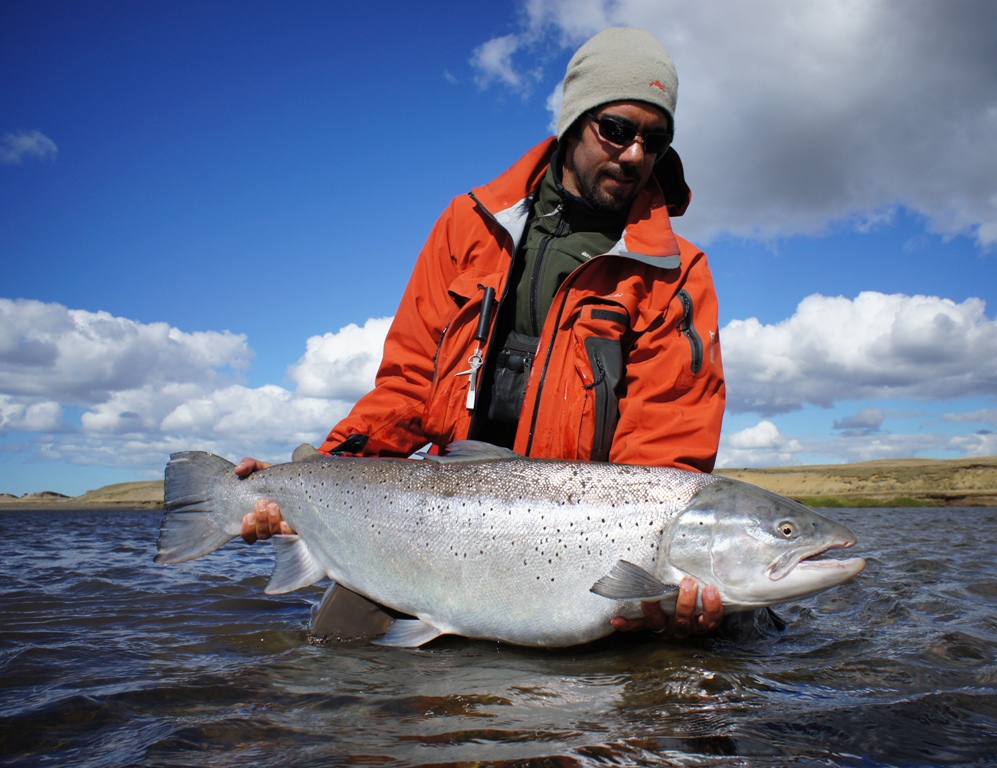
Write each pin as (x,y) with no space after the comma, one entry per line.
(265,520)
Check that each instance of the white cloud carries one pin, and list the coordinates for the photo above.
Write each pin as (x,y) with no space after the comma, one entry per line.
(80,357)
(343,364)
(241,413)
(760,445)
(793,116)
(148,389)
(17,416)
(985,416)
(493,61)
(978,444)
(873,347)
(15,148)
(764,445)
(180,391)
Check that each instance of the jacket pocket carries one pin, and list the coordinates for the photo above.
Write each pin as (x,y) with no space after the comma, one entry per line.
(600,334)
(447,417)
(512,372)
(606,358)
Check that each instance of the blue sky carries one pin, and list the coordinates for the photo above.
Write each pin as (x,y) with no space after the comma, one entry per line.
(208,209)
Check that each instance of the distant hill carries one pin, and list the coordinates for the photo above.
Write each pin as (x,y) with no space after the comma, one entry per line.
(141,495)
(889,482)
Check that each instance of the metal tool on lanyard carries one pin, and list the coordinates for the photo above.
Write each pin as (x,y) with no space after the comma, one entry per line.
(475,360)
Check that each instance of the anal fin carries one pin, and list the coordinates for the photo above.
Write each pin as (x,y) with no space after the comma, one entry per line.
(294,566)
(409,633)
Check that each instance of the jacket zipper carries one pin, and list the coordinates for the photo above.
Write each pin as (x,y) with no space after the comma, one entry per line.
(538,267)
(564,289)
(687,327)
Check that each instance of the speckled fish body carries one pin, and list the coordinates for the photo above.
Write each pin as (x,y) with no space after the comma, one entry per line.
(506,549)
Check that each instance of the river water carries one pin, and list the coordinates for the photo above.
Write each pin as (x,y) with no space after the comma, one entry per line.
(109,660)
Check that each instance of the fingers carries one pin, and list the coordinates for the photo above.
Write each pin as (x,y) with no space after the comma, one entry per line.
(263,522)
(248,465)
(684,622)
(685,608)
(248,531)
(713,610)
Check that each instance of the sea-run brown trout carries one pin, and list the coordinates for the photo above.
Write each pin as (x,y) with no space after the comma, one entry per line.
(488,544)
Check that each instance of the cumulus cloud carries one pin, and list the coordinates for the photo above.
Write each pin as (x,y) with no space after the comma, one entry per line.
(978,444)
(239,412)
(493,62)
(763,445)
(341,365)
(97,389)
(795,116)
(17,416)
(760,445)
(15,148)
(76,356)
(139,391)
(873,347)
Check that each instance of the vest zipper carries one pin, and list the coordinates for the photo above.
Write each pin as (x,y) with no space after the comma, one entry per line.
(541,254)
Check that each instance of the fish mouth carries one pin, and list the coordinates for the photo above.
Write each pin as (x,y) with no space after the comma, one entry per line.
(814,564)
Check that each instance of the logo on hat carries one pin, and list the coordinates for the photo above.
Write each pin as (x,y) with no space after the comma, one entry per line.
(658,84)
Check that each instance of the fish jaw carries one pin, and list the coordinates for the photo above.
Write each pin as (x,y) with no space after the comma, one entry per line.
(809,574)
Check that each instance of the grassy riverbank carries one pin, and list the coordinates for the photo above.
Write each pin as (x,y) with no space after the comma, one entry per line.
(888,482)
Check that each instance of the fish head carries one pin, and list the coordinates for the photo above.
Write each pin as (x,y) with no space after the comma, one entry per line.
(757,547)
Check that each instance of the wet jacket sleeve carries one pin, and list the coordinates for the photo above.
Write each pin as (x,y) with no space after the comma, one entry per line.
(389,420)
(674,399)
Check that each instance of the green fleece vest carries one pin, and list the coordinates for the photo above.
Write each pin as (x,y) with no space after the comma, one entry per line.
(563,232)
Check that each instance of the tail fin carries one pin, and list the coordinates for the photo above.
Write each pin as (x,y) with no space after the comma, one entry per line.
(194,525)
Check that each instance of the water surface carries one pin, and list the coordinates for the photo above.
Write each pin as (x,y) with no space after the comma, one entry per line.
(107,659)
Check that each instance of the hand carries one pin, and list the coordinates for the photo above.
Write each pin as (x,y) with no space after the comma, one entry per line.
(265,520)
(684,621)
(247,466)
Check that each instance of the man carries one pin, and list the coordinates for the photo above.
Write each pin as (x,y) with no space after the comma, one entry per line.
(555,312)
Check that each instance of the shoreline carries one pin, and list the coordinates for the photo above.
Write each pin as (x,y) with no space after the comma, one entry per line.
(969,482)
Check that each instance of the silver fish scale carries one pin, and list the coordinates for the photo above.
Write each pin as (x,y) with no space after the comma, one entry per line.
(503,549)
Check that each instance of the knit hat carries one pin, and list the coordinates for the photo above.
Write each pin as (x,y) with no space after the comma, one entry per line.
(618,64)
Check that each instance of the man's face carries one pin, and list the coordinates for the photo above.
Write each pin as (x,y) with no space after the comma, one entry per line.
(606,175)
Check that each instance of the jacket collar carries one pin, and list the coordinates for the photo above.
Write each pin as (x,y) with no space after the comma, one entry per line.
(648,234)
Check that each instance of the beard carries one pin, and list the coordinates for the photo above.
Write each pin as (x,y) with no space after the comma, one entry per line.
(611,199)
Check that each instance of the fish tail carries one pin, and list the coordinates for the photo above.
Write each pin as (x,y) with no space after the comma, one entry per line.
(194,523)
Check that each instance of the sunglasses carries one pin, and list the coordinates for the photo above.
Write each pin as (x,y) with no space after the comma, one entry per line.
(623,134)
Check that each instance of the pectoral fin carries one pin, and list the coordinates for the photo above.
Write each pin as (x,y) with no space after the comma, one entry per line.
(626,581)
(343,615)
(409,633)
(294,566)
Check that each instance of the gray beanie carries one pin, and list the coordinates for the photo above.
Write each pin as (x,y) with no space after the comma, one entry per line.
(618,64)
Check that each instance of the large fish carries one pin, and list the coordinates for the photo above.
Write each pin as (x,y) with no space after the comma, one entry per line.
(488,544)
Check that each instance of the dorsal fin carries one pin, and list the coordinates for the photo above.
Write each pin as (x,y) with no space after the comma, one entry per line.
(463,451)
(306,452)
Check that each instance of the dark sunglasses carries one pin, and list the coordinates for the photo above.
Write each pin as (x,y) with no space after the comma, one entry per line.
(623,134)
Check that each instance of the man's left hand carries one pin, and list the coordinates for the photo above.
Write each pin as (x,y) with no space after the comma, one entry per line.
(684,622)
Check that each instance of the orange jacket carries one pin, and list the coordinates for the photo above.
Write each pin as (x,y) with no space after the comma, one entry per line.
(628,366)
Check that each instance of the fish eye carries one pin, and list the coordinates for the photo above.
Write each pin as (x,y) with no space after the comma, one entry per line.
(787,529)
